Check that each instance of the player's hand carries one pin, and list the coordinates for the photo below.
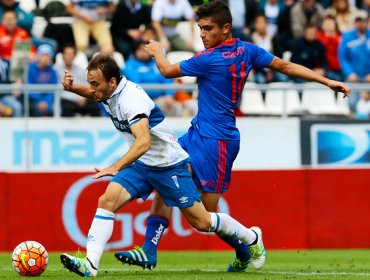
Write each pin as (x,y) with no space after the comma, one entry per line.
(67,81)
(109,171)
(153,48)
(340,87)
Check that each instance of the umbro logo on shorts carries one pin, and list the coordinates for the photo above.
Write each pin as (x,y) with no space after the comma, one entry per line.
(184,199)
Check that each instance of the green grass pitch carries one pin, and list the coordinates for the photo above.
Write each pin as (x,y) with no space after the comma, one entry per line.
(294,264)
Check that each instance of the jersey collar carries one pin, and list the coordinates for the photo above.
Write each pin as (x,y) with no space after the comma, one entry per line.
(227,43)
(120,87)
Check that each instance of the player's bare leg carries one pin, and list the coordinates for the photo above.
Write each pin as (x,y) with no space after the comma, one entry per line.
(100,231)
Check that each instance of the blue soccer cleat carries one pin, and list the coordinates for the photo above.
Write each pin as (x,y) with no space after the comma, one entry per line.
(138,257)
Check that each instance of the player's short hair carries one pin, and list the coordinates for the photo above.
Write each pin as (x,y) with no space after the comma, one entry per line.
(107,65)
(217,10)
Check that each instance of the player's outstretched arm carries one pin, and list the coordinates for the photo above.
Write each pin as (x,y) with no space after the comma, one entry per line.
(299,71)
(141,145)
(69,85)
(167,69)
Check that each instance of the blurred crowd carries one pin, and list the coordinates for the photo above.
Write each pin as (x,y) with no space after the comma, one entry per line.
(332,37)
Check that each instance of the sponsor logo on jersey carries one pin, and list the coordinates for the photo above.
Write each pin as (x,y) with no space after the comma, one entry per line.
(238,51)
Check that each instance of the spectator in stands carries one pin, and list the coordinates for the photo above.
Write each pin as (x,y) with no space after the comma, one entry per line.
(165,16)
(365,5)
(128,23)
(141,69)
(25,20)
(271,9)
(11,105)
(308,51)
(344,14)
(57,33)
(91,19)
(11,32)
(363,105)
(148,34)
(5,111)
(244,13)
(73,104)
(354,53)
(262,38)
(329,36)
(305,12)
(42,72)
(284,33)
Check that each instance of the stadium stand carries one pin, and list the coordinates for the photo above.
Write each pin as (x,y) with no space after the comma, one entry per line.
(279,100)
(252,100)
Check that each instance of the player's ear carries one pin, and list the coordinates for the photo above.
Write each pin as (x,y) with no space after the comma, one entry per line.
(226,29)
(113,82)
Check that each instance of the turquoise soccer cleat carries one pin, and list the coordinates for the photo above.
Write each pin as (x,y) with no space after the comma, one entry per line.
(80,266)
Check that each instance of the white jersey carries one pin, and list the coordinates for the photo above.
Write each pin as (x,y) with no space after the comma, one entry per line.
(128,102)
(170,13)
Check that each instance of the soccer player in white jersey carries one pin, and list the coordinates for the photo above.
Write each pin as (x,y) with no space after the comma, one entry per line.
(154,161)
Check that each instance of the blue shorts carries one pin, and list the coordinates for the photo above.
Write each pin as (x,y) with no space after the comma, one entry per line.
(174,183)
(211,160)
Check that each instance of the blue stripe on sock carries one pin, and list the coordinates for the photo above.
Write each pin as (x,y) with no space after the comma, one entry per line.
(217,223)
(104,217)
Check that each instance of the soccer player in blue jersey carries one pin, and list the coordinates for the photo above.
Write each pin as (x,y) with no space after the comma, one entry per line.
(154,160)
(213,139)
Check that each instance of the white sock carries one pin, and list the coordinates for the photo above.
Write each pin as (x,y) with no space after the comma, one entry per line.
(100,231)
(223,224)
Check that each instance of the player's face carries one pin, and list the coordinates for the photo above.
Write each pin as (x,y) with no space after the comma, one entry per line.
(100,88)
(212,35)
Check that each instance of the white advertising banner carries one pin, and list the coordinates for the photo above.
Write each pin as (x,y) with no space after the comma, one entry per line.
(80,144)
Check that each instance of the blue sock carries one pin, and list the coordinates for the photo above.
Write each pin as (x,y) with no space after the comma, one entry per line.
(241,249)
(155,227)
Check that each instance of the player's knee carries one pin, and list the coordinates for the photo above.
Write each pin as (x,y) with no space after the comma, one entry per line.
(106,203)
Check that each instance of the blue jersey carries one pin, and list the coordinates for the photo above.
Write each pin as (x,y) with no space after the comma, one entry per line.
(222,72)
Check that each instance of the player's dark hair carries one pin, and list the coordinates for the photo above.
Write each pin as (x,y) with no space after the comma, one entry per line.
(218,11)
(107,65)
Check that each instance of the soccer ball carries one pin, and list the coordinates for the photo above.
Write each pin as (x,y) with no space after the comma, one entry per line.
(30,258)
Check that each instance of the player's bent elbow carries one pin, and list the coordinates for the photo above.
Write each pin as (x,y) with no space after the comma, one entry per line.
(166,74)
